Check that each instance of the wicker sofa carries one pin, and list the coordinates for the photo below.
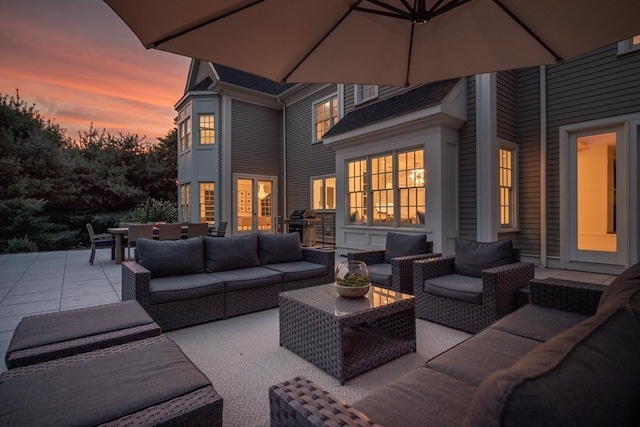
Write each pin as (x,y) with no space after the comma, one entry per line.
(186,282)
(570,357)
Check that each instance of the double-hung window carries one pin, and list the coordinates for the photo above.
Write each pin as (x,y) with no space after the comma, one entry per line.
(392,193)
(207,129)
(364,93)
(325,116)
(507,177)
(185,134)
(185,202)
(207,202)
(323,193)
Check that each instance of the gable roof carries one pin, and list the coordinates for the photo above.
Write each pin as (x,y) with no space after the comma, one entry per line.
(250,81)
(412,100)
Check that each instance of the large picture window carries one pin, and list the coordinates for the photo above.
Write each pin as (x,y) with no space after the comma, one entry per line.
(185,202)
(185,134)
(393,193)
(207,202)
(323,193)
(325,116)
(207,129)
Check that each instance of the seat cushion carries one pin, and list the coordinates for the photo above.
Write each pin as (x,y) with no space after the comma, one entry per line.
(248,278)
(298,270)
(380,274)
(171,257)
(93,391)
(620,292)
(456,286)
(588,375)
(538,322)
(230,253)
(179,288)
(473,257)
(475,358)
(279,248)
(403,245)
(417,399)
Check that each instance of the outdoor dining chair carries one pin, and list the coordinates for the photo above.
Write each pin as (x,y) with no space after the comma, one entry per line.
(172,231)
(197,229)
(102,240)
(138,231)
(220,230)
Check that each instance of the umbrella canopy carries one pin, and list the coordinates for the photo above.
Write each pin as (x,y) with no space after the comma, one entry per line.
(386,42)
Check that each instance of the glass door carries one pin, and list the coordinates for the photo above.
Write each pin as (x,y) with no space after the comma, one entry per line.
(255,205)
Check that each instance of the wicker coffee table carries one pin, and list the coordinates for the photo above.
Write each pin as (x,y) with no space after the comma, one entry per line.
(347,336)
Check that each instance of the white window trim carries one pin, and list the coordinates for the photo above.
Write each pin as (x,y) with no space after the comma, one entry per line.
(315,140)
(627,46)
(324,202)
(513,147)
(200,143)
(357,98)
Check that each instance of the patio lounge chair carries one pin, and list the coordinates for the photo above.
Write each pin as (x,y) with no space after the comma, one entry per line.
(101,240)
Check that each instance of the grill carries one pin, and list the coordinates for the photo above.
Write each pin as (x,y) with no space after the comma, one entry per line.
(303,222)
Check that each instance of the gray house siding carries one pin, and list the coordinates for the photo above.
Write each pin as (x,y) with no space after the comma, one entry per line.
(384,92)
(467,206)
(221,182)
(308,159)
(506,105)
(596,85)
(204,70)
(528,138)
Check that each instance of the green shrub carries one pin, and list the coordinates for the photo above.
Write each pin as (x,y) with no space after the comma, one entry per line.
(18,245)
(153,210)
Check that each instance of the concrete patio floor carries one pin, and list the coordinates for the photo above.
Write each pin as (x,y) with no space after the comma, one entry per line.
(43,282)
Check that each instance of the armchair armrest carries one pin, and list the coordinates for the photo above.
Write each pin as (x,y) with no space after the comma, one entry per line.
(320,256)
(429,268)
(301,402)
(402,271)
(368,257)
(135,283)
(567,295)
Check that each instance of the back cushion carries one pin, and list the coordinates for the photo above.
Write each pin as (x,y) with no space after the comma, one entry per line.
(588,375)
(230,253)
(403,245)
(620,291)
(473,257)
(171,257)
(277,248)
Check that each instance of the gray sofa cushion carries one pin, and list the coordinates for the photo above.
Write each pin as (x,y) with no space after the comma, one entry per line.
(456,286)
(419,398)
(180,288)
(403,245)
(248,278)
(473,257)
(620,291)
(380,274)
(298,270)
(588,375)
(538,322)
(474,359)
(279,248)
(171,257)
(230,253)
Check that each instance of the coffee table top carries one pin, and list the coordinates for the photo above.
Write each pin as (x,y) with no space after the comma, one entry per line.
(326,298)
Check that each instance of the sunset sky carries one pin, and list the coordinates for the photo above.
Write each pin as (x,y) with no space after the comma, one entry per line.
(80,64)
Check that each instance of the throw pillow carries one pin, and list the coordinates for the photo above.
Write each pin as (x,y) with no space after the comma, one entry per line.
(277,248)
(473,257)
(403,245)
(620,291)
(230,253)
(171,257)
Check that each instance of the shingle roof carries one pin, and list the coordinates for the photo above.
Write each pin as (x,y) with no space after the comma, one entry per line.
(250,81)
(413,100)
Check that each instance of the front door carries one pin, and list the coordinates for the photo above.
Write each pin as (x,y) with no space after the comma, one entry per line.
(255,205)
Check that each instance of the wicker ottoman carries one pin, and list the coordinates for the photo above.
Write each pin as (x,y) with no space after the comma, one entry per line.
(45,337)
(144,382)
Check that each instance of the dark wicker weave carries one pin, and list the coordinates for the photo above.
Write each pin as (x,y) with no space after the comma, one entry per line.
(567,295)
(202,407)
(67,348)
(250,300)
(401,267)
(170,315)
(300,402)
(317,256)
(346,336)
(499,293)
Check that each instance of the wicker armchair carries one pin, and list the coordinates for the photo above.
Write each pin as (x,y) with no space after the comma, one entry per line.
(445,296)
(391,267)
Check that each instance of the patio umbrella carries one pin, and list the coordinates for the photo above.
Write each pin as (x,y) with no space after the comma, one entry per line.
(386,42)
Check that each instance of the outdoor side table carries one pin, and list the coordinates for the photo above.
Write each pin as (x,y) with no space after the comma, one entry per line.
(347,336)
(49,336)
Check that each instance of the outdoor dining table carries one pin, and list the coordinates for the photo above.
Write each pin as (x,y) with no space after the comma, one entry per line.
(120,232)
